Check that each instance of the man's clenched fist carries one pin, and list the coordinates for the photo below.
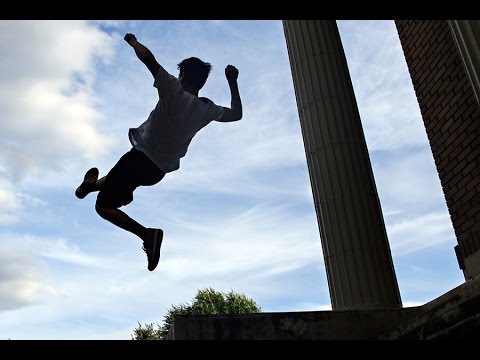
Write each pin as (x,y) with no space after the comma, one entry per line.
(129,36)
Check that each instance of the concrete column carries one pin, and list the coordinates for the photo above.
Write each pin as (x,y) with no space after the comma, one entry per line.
(357,254)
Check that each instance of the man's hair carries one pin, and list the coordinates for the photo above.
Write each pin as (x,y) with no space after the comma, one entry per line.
(195,71)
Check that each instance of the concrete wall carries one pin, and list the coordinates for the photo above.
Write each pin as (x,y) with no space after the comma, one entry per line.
(313,325)
(454,315)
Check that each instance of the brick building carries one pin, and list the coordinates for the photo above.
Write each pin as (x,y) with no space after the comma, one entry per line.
(443,59)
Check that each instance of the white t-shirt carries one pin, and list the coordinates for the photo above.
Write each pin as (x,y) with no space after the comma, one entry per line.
(170,127)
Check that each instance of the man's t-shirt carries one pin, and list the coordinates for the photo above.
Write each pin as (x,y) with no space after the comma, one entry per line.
(170,127)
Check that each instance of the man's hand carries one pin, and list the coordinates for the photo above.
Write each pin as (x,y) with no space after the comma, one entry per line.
(235,111)
(231,73)
(129,37)
(143,53)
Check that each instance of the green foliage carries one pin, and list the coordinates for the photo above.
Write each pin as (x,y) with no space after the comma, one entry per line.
(206,302)
(147,332)
(182,309)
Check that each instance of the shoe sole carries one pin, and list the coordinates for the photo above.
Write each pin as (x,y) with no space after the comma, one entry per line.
(81,192)
(157,242)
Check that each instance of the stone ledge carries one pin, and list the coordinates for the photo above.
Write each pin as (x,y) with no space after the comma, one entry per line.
(453,315)
(313,325)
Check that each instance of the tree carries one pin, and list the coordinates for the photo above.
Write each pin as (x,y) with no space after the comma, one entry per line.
(147,332)
(206,302)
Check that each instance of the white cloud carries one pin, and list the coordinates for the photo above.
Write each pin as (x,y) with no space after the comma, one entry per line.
(13,203)
(54,248)
(408,182)
(384,92)
(24,280)
(224,252)
(188,263)
(256,243)
(47,106)
(417,234)
(9,206)
(46,101)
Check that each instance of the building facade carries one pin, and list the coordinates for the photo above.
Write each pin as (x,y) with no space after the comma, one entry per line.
(443,60)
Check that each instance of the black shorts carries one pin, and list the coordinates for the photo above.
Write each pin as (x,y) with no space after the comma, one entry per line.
(134,169)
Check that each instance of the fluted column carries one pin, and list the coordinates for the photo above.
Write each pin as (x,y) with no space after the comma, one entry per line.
(357,254)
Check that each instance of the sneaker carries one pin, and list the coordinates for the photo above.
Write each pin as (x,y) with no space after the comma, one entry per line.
(151,246)
(88,185)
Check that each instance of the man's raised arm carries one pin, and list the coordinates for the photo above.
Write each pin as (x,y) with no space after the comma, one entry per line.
(235,112)
(143,53)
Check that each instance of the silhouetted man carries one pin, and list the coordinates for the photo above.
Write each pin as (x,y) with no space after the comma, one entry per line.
(160,142)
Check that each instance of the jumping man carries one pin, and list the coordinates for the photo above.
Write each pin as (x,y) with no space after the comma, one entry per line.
(160,142)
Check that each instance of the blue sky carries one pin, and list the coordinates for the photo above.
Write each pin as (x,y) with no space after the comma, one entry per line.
(238,214)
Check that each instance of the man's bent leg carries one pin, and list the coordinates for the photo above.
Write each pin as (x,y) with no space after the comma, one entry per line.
(134,169)
(122,220)
(99,183)
(152,238)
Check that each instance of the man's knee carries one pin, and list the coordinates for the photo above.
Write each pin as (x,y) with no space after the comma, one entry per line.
(102,211)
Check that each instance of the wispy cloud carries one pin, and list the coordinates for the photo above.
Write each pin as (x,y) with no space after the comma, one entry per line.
(384,92)
(9,205)
(12,203)
(258,241)
(416,234)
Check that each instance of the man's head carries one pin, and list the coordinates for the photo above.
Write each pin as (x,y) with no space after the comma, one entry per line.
(194,71)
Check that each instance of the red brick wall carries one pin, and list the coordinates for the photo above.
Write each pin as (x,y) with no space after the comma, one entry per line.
(451,117)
